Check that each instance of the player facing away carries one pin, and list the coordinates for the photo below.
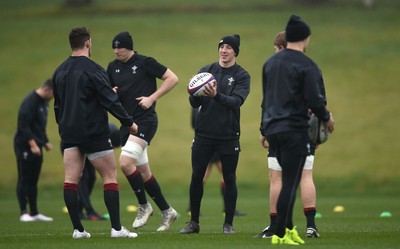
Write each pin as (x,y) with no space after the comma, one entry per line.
(291,85)
(134,78)
(217,130)
(82,97)
(307,186)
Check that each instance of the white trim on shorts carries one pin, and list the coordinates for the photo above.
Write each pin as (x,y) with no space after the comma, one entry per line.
(273,163)
(94,155)
(98,154)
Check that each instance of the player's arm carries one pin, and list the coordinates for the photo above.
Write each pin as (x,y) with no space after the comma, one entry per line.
(238,95)
(170,80)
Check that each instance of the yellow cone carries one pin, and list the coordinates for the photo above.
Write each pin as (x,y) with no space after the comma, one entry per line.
(131,208)
(338,209)
(65,210)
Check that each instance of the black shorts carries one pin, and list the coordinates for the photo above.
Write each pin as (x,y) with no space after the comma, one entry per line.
(145,132)
(217,146)
(272,151)
(90,147)
(215,159)
(288,142)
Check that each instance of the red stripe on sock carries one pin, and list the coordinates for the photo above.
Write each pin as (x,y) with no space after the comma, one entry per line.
(273,214)
(111,186)
(71,186)
(134,173)
(150,180)
(309,209)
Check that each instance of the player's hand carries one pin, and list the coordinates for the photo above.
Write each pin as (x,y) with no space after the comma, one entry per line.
(330,124)
(48,146)
(264,142)
(36,150)
(210,90)
(133,129)
(145,102)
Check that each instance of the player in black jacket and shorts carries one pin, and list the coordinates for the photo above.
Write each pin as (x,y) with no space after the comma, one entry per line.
(134,78)
(82,97)
(217,130)
(291,86)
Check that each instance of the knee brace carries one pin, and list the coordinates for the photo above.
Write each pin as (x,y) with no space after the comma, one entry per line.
(135,151)
(132,150)
(143,159)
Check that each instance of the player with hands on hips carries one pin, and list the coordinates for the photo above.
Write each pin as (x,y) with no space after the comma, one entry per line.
(134,78)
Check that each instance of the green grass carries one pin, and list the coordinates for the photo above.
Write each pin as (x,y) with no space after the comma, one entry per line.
(355,47)
(359,226)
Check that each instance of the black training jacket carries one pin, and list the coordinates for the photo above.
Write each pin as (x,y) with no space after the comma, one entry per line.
(32,120)
(219,117)
(292,84)
(82,96)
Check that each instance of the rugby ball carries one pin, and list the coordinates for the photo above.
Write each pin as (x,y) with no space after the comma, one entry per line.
(316,130)
(198,82)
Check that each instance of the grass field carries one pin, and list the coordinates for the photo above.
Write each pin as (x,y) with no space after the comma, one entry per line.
(359,226)
(355,47)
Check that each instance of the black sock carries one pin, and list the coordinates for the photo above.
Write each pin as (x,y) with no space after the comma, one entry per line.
(310,216)
(153,189)
(72,203)
(273,218)
(111,199)
(136,182)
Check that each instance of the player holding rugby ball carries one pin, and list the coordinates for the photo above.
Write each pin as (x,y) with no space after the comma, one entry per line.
(217,129)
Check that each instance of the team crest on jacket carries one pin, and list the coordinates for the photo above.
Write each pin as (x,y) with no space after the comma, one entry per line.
(134,69)
(231,79)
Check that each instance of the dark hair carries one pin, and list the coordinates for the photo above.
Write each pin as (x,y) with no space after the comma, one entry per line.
(48,84)
(78,37)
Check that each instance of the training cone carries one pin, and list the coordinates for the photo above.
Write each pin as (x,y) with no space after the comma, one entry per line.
(131,208)
(338,209)
(318,215)
(385,214)
(107,216)
(65,210)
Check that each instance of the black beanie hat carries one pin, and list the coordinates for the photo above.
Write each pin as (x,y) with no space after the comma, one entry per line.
(233,41)
(297,29)
(123,40)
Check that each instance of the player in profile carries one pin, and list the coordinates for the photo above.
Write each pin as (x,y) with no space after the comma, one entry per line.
(134,78)
(217,130)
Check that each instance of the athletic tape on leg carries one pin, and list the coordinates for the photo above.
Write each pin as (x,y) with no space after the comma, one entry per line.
(132,150)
